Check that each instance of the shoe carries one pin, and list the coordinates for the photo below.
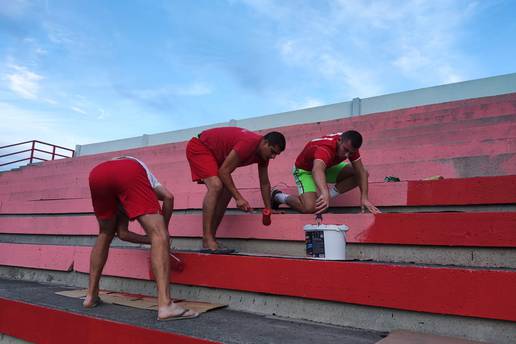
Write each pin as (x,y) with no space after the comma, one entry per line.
(275,204)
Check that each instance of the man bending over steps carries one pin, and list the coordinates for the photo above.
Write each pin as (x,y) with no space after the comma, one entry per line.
(213,156)
(322,161)
(127,182)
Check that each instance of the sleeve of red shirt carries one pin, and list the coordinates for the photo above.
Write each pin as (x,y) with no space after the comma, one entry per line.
(323,154)
(355,156)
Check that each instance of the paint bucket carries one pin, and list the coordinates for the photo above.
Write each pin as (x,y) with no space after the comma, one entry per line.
(326,242)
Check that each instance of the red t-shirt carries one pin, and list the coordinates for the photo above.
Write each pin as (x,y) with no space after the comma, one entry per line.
(220,141)
(325,149)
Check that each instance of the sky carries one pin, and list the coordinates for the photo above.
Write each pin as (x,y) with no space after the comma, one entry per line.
(78,72)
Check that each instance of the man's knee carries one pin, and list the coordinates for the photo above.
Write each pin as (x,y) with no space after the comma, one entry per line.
(215,185)
(158,233)
(107,228)
(154,225)
(308,210)
(307,205)
(161,234)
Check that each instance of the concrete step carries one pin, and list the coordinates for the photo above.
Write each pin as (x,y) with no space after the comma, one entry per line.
(469,257)
(489,229)
(293,308)
(33,312)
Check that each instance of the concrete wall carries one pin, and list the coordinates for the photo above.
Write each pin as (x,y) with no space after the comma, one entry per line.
(491,86)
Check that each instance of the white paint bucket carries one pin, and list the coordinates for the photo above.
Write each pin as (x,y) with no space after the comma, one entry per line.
(326,242)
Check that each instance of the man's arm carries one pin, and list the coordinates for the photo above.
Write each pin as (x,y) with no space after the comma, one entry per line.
(319,173)
(363,185)
(230,164)
(123,233)
(168,202)
(265,185)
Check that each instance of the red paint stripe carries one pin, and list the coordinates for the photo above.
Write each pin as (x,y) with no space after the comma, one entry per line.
(440,229)
(43,325)
(49,257)
(434,229)
(482,190)
(466,292)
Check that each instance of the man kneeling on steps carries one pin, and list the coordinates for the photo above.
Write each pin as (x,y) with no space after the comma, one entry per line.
(126,186)
(322,161)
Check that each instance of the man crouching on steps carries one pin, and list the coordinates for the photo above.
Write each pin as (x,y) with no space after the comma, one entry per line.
(213,156)
(323,161)
(126,186)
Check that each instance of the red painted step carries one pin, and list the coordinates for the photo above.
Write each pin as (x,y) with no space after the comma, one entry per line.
(460,191)
(465,292)
(48,257)
(431,229)
(38,324)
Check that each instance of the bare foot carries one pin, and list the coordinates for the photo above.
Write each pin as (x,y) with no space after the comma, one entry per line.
(210,243)
(91,301)
(174,311)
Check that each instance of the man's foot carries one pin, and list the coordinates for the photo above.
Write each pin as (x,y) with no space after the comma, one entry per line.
(91,301)
(218,251)
(220,248)
(211,244)
(274,203)
(175,312)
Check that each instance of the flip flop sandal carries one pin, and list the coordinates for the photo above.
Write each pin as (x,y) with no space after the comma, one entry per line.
(224,247)
(96,302)
(181,316)
(218,251)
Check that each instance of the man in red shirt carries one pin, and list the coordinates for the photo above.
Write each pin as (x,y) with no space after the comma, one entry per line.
(213,156)
(124,189)
(323,161)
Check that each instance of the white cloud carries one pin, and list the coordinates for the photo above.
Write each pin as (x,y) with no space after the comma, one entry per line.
(42,125)
(310,102)
(193,89)
(101,114)
(50,101)
(79,110)
(362,44)
(421,35)
(331,65)
(24,82)
(59,35)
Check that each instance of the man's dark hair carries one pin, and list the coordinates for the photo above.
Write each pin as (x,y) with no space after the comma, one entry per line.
(354,136)
(276,139)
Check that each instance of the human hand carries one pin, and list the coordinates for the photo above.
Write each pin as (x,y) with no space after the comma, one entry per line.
(242,204)
(369,206)
(266,217)
(322,203)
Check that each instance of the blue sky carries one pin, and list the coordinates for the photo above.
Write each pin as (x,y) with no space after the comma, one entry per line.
(77,72)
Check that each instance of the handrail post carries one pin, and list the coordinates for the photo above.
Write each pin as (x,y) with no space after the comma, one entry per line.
(53,152)
(32,151)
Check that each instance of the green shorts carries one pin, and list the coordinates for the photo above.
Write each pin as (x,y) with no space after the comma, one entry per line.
(305,181)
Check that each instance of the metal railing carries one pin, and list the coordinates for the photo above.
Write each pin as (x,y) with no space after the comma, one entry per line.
(33,150)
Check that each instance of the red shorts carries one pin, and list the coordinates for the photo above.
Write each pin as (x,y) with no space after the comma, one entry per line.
(202,162)
(122,181)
